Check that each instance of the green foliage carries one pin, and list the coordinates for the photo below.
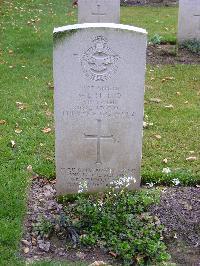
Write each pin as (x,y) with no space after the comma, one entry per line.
(179,177)
(156,39)
(119,222)
(51,262)
(44,227)
(192,45)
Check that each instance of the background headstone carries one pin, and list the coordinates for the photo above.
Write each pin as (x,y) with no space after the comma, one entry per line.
(189,20)
(94,11)
(99,72)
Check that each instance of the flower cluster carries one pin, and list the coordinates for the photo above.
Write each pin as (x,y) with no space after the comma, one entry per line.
(123,181)
(83,187)
(166,170)
(176,181)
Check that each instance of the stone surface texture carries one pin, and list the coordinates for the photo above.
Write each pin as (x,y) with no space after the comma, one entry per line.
(189,20)
(94,11)
(99,72)
(149,2)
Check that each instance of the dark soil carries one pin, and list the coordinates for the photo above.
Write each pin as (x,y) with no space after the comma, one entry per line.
(42,203)
(167,54)
(178,211)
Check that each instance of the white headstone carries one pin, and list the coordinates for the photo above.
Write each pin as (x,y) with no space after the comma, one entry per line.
(99,72)
(189,20)
(93,11)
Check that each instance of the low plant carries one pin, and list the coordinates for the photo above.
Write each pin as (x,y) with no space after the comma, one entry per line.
(181,177)
(119,222)
(192,45)
(44,227)
(156,39)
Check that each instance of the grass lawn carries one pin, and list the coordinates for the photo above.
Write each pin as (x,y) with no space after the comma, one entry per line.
(176,120)
(26,106)
(160,21)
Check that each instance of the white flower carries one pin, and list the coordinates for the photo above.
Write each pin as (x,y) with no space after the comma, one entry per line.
(166,170)
(176,181)
(82,187)
(150,184)
(123,181)
(100,203)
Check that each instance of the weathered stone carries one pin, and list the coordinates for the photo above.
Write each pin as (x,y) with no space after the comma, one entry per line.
(80,255)
(99,74)
(98,263)
(189,20)
(25,242)
(93,11)
(45,246)
(26,250)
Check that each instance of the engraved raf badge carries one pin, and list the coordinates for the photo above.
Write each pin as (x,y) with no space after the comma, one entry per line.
(99,62)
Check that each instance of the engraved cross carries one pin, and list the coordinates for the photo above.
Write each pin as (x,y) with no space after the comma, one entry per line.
(98,12)
(98,137)
(198,17)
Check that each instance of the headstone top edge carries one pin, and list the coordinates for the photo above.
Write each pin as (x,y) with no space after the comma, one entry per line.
(99,25)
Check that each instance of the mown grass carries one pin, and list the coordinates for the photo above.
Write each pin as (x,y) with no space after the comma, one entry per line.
(178,126)
(56,263)
(26,69)
(160,21)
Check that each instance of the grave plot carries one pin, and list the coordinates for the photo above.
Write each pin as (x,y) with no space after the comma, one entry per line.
(35,225)
(178,211)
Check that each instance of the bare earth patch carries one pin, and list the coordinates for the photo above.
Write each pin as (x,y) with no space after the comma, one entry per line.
(42,203)
(166,55)
(178,211)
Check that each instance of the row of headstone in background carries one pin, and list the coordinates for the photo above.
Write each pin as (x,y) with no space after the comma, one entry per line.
(99,87)
(97,11)
(99,72)
(189,20)
(107,11)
